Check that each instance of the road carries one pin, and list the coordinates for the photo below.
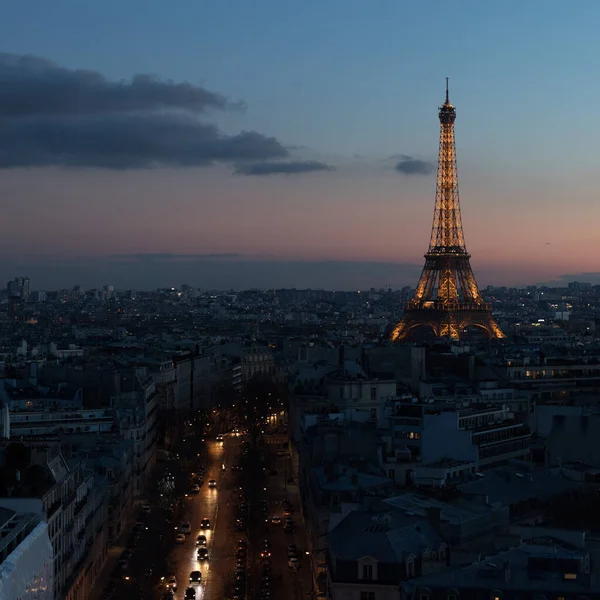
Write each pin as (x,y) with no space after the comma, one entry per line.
(215,504)
(287,583)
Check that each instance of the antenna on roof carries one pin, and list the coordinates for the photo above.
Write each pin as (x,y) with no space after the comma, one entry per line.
(447,96)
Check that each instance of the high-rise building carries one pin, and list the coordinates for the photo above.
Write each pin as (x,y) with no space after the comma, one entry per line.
(18,288)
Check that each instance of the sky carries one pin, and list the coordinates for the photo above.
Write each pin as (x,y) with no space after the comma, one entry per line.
(238,144)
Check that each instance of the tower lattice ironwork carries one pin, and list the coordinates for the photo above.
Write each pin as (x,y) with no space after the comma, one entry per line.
(447,298)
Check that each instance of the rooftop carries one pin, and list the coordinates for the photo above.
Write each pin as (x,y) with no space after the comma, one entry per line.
(511,485)
(389,536)
(542,565)
(350,480)
(460,511)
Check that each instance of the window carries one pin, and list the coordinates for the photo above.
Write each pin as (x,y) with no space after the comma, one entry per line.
(367,596)
(373,394)
(367,569)
(410,567)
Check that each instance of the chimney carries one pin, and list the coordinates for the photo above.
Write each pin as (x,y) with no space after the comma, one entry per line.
(341,357)
(434,516)
(506,566)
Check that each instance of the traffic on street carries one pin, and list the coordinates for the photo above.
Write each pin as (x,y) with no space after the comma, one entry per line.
(222,521)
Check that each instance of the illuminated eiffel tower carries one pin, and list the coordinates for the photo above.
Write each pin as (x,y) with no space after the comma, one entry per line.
(447,298)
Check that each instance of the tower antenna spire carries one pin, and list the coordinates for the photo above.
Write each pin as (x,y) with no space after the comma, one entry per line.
(447,96)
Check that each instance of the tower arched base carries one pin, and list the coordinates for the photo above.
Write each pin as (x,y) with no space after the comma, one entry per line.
(446,324)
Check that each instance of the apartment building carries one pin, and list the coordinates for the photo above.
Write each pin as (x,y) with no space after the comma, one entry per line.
(486,436)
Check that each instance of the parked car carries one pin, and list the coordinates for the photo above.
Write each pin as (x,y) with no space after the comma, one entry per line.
(185,527)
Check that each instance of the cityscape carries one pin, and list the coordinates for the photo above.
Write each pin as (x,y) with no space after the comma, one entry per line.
(215,387)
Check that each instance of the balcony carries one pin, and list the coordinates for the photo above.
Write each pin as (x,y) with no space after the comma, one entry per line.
(79,506)
(52,510)
(500,436)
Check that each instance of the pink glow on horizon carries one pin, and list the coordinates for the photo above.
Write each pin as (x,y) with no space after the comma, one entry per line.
(523,238)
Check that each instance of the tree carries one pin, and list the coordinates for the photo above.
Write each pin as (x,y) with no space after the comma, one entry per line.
(261,397)
(17,456)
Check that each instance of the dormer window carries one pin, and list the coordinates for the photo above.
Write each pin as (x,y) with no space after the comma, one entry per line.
(410,566)
(367,569)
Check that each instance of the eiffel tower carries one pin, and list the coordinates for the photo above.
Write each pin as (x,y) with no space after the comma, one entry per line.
(447,298)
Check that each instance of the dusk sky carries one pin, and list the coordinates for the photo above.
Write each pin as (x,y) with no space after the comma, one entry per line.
(280,143)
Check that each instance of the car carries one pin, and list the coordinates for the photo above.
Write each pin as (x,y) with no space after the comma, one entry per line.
(275,520)
(220,438)
(146,508)
(205,523)
(241,554)
(201,540)
(172,582)
(203,553)
(190,593)
(293,563)
(180,538)
(242,544)
(195,577)
(185,527)
(292,549)
(212,483)
(195,489)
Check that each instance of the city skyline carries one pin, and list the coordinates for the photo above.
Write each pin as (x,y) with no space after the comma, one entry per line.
(153,181)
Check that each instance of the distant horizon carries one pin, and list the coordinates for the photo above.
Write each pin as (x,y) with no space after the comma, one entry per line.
(229,271)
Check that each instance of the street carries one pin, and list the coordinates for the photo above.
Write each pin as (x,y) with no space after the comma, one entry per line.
(215,504)
(294,584)
(156,557)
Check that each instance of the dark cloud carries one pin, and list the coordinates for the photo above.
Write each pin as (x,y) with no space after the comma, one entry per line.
(412,166)
(35,86)
(52,116)
(281,168)
(127,141)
